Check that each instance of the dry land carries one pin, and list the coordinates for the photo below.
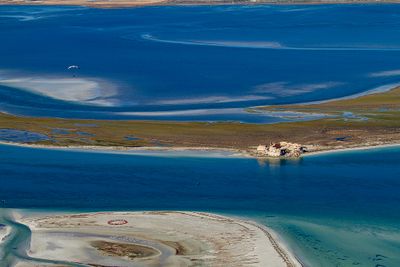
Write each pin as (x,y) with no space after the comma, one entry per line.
(164,238)
(136,3)
(364,121)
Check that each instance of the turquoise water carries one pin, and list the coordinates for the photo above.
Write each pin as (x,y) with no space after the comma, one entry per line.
(339,209)
(192,63)
(15,247)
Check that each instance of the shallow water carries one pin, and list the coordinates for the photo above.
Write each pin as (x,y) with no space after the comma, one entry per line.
(12,135)
(191,63)
(207,63)
(339,209)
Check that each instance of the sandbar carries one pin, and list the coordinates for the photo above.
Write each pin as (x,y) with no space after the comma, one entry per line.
(154,238)
(138,3)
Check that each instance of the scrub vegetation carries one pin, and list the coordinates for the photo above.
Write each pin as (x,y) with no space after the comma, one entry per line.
(366,120)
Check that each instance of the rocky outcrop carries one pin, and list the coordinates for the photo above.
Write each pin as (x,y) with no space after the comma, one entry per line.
(281,149)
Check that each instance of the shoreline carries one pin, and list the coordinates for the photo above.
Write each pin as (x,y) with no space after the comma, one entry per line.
(159,3)
(372,120)
(351,149)
(207,152)
(216,151)
(262,243)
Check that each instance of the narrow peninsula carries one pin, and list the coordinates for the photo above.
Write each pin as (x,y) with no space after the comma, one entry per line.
(363,121)
(137,3)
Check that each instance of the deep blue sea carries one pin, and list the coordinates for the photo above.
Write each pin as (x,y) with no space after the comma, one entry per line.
(192,62)
(208,63)
(339,209)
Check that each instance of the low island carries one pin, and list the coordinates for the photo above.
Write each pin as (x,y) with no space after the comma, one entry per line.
(150,238)
(363,121)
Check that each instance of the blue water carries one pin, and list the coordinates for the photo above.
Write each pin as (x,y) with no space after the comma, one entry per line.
(341,209)
(11,135)
(212,60)
(207,63)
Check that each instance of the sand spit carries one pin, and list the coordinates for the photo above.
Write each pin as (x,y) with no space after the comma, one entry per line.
(200,151)
(208,152)
(154,239)
(138,3)
(90,3)
(339,149)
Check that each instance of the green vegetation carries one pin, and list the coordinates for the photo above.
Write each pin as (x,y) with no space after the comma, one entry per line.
(374,104)
(373,119)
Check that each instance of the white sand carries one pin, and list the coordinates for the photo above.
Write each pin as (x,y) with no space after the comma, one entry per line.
(180,239)
(209,152)
(92,3)
(350,149)
(4,232)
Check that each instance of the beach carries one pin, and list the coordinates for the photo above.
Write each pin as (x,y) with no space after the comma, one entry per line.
(350,149)
(170,238)
(97,3)
(198,152)
(138,3)
(159,151)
